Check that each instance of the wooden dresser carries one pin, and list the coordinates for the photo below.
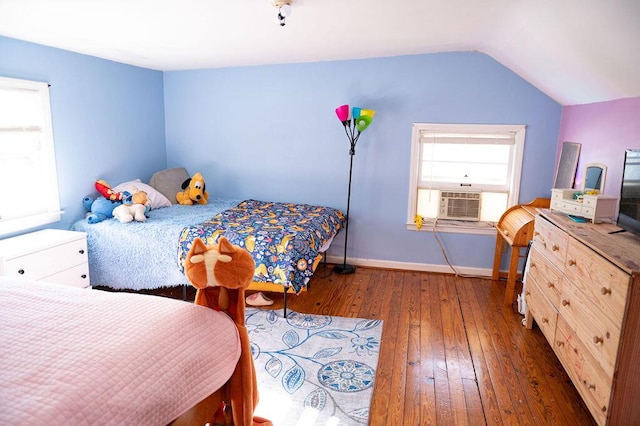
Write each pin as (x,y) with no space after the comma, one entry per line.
(583,291)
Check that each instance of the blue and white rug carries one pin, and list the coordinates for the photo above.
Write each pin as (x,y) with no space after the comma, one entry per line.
(313,369)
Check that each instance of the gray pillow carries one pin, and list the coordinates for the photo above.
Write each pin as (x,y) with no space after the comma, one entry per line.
(169,182)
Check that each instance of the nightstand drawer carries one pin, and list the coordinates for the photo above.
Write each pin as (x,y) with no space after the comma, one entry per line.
(46,262)
(78,276)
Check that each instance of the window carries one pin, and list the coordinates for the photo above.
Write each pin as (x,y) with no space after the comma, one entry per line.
(28,180)
(464,172)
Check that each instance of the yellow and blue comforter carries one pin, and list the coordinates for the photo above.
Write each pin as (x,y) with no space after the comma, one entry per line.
(283,238)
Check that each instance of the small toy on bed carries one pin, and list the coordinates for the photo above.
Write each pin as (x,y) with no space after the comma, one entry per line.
(195,191)
(99,209)
(105,190)
(133,207)
(221,274)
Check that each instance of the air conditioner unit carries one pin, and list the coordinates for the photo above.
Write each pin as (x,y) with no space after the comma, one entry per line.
(459,205)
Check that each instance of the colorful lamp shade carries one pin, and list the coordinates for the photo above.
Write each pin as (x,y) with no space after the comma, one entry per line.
(363,122)
(355,112)
(343,113)
(368,112)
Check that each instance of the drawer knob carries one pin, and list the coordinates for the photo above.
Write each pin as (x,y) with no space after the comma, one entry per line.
(21,271)
(536,233)
(605,291)
(550,285)
(597,339)
(81,251)
(533,265)
(572,262)
(545,320)
(527,293)
(555,248)
(559,343)
(83,276)
(589,385)
(565,302)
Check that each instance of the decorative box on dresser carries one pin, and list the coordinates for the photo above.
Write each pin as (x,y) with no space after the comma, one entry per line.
(597,208)
(51,255)
(583,291)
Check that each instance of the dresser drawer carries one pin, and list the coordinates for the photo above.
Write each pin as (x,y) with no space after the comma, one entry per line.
(604,284)
(588,212)
(551,241)
(591,381)
(78,276)
(541,309)
(546,275)
(599,335)
(46,262)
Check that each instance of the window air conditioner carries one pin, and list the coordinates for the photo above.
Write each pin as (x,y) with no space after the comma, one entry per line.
(459,205)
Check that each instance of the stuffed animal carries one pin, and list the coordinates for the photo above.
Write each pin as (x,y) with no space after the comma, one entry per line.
(126,213)
(105,190)
(195,191)
(221,274)
(133,207)
(99,209)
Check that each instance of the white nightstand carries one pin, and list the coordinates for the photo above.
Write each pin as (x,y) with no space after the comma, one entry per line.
(51,255)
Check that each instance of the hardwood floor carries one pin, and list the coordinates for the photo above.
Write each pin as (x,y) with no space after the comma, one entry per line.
(451,353)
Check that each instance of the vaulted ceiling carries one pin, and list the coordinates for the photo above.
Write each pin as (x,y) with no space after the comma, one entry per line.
(575,51)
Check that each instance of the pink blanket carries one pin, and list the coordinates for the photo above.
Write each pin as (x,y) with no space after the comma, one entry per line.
(79,356)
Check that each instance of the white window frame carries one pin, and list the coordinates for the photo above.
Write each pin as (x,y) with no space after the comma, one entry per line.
(44,160)
(515,172)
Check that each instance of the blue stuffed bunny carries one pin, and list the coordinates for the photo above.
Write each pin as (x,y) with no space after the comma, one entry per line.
(99,208)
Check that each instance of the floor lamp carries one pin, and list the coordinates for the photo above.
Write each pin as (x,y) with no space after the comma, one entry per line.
(355,121)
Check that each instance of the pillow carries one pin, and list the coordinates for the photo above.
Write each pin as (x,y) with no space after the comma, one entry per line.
(169,182)
(156,199)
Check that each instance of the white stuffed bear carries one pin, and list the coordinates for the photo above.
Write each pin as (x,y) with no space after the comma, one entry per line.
(128,212)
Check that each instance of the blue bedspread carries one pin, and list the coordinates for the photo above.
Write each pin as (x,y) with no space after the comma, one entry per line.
(283,238)
(142,255)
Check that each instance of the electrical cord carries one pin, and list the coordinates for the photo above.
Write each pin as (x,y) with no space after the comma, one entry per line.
(419,221)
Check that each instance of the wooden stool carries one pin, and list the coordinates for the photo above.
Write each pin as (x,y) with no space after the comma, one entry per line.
(516,228)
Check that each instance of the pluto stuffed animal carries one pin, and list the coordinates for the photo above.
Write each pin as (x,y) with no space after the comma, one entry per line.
(221,274)
(195,191)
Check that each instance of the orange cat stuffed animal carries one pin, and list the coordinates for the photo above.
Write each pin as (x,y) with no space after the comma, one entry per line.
(221,274)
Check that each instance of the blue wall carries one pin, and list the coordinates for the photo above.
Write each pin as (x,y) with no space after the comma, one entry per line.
(270,132)
(108,118)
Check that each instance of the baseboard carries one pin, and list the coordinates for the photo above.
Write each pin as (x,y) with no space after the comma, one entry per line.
(409,266)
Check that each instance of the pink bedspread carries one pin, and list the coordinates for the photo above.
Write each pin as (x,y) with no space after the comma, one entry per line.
(88,357)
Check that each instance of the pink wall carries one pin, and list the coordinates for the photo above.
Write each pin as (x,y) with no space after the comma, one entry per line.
(605,130)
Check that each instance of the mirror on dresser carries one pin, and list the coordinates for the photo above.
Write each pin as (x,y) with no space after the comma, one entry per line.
(587,202)
(594,177)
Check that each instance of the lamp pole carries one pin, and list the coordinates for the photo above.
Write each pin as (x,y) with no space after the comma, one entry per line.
(344,268)
(361,120)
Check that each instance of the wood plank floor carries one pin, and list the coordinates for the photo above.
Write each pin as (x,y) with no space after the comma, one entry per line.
(451,353)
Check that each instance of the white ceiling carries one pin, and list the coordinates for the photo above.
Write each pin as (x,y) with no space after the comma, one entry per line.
(575,51)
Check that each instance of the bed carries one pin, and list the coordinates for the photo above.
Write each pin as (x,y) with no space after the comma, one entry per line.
(83,356)
(286,240)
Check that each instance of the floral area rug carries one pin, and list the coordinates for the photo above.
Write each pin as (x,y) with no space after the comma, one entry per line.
(313,369)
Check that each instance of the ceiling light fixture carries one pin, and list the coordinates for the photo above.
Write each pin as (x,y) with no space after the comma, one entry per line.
(284,10)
